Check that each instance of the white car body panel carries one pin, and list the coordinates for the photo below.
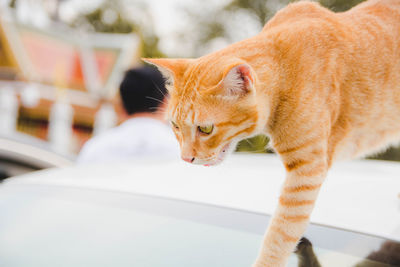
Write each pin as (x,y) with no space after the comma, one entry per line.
(362,196)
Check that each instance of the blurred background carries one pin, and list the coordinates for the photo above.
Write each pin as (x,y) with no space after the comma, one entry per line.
(61,62)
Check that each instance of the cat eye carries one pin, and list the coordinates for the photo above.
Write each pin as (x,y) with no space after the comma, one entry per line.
(174,125)
(205,129)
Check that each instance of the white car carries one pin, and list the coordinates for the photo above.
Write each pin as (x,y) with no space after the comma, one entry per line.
(170,213)
(21,153)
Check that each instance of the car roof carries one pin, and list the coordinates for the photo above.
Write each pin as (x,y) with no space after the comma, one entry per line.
(361,196)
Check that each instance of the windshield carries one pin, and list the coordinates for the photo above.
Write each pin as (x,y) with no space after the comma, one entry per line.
(59,226)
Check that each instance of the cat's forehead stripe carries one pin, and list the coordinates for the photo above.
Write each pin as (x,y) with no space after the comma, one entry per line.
(186,108)
(190,82)
(193,116)
(188,117)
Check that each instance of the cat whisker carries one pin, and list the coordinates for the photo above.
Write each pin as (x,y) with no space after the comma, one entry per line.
(158,111)
(158,100)
(158,108)
(159,89)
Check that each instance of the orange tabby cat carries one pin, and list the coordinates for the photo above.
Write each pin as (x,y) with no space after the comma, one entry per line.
(323,86)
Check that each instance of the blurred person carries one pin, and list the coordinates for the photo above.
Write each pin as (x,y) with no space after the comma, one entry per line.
(144,133)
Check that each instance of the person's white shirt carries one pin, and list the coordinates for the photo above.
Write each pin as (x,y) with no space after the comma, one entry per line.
(137,137)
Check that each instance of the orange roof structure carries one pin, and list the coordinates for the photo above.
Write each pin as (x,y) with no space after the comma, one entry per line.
(57,62)
(60,56)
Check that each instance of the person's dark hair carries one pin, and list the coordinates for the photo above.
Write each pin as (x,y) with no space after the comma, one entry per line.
(142,90)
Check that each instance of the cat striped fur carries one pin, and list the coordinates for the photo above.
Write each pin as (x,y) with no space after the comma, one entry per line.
(323,86)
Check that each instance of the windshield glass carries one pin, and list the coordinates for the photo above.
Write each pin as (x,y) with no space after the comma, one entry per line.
(57,226)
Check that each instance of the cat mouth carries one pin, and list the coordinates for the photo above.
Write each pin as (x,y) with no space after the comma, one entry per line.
(221,156)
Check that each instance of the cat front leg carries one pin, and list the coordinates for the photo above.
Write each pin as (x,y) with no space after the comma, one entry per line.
(306,169)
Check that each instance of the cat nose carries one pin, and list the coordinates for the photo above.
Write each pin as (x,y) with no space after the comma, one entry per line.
(189,159)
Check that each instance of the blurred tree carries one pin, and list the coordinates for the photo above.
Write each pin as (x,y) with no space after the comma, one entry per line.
(12,3)
(340,5)
(109,17)
(258,7)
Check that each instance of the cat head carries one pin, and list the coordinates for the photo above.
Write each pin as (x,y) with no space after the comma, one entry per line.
(211,107)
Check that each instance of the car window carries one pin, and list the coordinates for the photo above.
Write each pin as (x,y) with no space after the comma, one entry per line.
(61,226)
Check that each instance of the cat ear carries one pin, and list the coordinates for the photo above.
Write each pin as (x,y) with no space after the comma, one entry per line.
(171,69)
(238,80)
